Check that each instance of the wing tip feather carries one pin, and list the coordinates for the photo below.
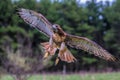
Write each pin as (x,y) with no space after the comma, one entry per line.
(114,59)
(19,11)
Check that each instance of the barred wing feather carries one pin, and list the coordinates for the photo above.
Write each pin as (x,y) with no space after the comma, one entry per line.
(89,46)
(36,20)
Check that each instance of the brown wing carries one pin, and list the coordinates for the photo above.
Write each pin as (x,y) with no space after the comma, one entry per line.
(89,46)
(36,20)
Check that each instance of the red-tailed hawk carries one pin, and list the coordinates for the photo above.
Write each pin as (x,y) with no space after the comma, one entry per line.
(59,39)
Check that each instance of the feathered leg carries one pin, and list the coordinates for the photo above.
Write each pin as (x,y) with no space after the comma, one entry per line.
(46,47)
(65,54)
(50,48)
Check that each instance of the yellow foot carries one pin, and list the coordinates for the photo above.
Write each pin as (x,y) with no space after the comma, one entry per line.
(57,60)
(46,55)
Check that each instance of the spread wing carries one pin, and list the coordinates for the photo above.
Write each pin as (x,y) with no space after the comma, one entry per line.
(89,46)
(36,20)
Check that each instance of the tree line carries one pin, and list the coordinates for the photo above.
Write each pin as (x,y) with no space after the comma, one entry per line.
(20,49)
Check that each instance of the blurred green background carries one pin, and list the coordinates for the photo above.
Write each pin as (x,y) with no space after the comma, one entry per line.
(20,49)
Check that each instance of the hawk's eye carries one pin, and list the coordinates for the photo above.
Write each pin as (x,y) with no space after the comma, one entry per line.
(56,26)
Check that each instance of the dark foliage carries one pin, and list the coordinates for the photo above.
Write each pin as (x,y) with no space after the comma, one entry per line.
(20,49)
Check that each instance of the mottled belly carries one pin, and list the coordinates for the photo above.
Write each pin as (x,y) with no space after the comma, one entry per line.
(58,39)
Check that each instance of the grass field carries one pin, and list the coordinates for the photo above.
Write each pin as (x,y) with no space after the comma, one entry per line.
(97,76)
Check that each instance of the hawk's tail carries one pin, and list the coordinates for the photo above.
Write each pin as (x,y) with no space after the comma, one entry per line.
(66,55)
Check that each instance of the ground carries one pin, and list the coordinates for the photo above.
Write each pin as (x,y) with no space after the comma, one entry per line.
(93,76)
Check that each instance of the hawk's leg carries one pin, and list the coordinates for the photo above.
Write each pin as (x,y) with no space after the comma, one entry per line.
(45,46)
(50,48)
(65,54)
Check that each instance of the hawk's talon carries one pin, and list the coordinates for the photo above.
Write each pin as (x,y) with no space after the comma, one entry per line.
(56,61)
(46,55)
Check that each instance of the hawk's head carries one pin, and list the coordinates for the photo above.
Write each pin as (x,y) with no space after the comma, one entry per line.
(57,29)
